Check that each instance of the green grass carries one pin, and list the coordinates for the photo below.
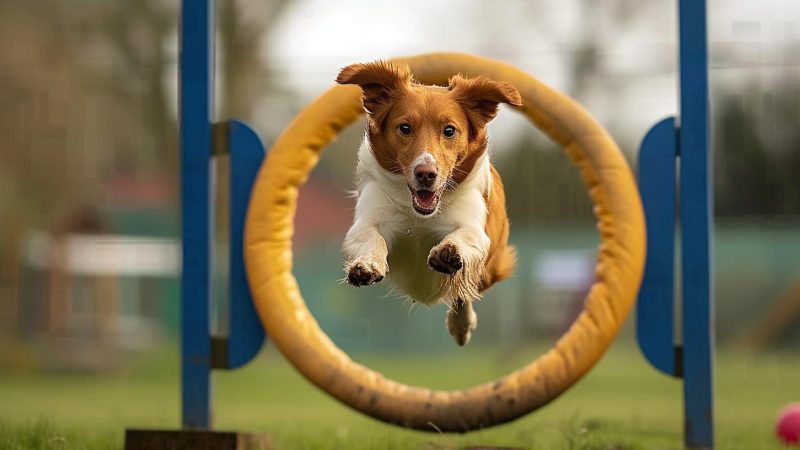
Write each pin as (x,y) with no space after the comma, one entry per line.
(622,404)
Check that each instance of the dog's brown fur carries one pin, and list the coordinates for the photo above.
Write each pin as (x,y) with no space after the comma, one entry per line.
(502,257)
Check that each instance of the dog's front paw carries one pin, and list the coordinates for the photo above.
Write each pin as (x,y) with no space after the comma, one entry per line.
(361,273)
(445,258)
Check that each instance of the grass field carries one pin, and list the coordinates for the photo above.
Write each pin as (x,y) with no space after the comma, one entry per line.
(622,404)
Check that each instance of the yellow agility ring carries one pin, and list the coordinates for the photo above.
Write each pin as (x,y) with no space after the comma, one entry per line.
(620,261)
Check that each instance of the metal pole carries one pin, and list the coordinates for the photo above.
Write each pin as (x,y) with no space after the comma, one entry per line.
(196,110)
(696,225)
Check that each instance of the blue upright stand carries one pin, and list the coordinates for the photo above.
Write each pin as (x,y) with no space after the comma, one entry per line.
(668,145)
(202,140)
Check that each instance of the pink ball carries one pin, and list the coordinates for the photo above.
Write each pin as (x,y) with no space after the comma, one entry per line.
(788,427)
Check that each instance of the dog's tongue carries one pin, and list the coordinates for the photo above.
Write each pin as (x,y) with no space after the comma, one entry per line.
(426,199)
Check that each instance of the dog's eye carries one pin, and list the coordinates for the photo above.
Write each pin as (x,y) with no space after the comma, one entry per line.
(449,131)
(404,129)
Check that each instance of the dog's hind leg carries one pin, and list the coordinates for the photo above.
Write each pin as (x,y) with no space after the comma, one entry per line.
(461,321)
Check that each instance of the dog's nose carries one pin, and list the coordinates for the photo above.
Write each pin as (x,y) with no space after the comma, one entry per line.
(425,173)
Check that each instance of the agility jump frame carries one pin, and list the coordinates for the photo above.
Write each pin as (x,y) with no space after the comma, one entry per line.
(202,139)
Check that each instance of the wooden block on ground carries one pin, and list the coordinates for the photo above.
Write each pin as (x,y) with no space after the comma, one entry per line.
(194,440)
(471,447)
(481,447)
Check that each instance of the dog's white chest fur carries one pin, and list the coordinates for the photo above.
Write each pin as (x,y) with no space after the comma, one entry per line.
(384,207)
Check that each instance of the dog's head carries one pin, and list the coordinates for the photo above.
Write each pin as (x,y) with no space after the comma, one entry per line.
(432,135)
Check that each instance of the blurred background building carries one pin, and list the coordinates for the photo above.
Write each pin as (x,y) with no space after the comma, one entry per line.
(89,245)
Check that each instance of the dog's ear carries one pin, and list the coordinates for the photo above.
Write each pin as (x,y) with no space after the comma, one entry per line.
(381,81)
(480,96)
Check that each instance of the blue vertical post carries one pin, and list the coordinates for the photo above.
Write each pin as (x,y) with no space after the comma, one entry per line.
(196,109)
(696,225)
(688,143)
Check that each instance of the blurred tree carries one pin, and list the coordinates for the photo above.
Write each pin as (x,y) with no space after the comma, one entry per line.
(136,37)
(742,181)
(48,157)
(141,41)
(89,91)
(243,76)
(49,153)
(542,185)
(757,152)
(244,69)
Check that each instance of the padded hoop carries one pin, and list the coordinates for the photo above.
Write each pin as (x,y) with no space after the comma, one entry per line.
(268,254)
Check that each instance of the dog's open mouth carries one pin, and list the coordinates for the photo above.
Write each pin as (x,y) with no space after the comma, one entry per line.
(425,201)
